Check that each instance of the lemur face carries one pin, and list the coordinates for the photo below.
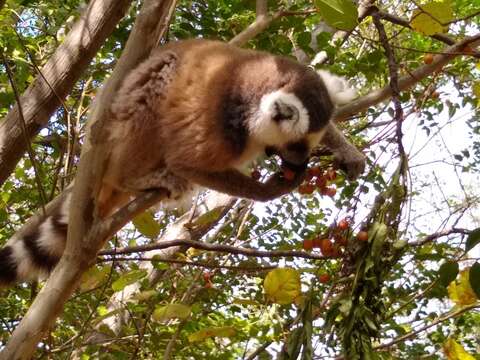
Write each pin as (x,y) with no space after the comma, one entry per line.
(281,119)
(284,124)
(293,113)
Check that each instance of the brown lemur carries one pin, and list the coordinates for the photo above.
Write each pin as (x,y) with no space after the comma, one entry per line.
(196,113)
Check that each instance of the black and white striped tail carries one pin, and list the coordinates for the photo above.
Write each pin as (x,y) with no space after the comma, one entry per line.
(33,255)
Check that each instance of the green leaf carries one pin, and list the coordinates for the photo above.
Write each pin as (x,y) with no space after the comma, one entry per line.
(476,89)
(208,218)
(102,310)
(346,306)
(147,225)
(127,279)
(225,331)
(472,240)
(246,302)
(340,14)
(93,277)
(282,286)
(432,18)
(294,342)
(171,311)
(474,278)
(144,295)
(448,272)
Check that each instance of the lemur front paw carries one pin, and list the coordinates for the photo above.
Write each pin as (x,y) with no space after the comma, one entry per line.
(352,161)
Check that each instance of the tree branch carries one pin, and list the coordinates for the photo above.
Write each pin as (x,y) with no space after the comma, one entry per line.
(86,233)
(439,320)
(60,73)
(405,23)
(215,247)
(262,22)
(189,263)
(438,235)
(377,96)
(393,73)
(64,279)
(180,229)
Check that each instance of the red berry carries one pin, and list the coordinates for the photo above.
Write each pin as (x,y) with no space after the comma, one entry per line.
(428,58)
(331,191)
(256,175)
(343,224)
(316,171)
(336,251)
(321,182)
(288,174)
(362,235)
(306,189)
(326,247)
(324,278)
(207,276)
(308,176)
(307,244)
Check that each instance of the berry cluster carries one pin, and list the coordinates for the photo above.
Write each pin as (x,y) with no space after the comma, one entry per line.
(333,243)
(319,179)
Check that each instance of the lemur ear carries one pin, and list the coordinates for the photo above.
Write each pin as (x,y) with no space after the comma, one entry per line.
(340,91)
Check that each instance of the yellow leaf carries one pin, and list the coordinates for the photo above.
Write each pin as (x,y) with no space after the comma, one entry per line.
(282,286)
(455,351)
(192,252)
(93,277)
(225,331)
(432,18)
(476,89)
(171,311)
(460,291)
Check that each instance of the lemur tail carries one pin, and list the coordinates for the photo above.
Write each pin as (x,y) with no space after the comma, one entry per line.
(33,254)
(338,88)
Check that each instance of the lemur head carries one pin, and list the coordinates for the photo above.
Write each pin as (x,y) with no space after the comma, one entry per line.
(294,110)
(280,104)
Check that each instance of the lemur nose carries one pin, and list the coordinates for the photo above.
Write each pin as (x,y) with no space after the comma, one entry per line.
(284,111)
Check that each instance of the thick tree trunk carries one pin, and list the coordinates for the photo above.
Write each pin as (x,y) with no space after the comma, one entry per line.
(86,234)
(60,74)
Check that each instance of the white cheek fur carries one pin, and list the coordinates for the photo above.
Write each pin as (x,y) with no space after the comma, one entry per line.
(264,129)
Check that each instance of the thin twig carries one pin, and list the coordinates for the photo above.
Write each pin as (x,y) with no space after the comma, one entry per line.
(190,263)
(215,247)
(393,70)
(405,82)
(437,235)
(26,136)
(439,320)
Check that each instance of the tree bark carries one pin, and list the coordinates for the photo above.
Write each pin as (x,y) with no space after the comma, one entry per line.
(60,74)
(86,236)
